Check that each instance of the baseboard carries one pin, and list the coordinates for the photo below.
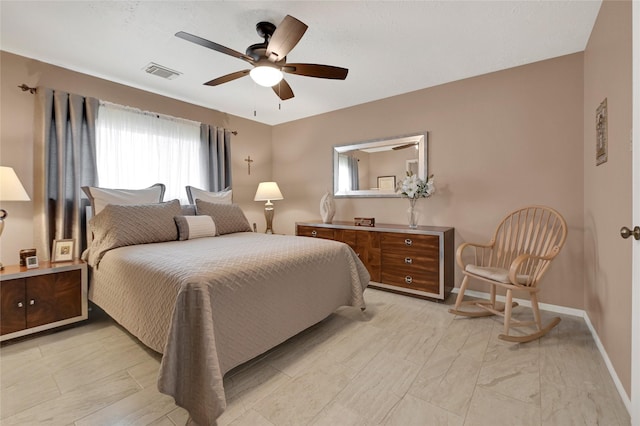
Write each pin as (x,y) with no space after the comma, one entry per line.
(573,312)
(623,394)
(525,302)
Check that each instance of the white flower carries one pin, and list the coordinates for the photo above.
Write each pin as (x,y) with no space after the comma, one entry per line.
(414,187)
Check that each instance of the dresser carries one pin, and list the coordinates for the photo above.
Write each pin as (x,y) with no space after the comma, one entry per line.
(416,262)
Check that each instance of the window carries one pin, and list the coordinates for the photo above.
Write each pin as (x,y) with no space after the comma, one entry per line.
(135,149)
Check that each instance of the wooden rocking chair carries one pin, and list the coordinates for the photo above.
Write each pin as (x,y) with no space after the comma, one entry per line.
(521,250)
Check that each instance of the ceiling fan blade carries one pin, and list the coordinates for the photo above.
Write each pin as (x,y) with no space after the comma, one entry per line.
(407,145)
(285,38)
(283,90)
(315,70)
(227,78)
(215,46)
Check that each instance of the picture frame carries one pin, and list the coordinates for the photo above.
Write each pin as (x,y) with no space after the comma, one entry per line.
(62,250)
(31,262)
(386,183)
(601,133)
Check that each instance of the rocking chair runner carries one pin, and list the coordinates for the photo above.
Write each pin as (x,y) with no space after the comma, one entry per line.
(521,250)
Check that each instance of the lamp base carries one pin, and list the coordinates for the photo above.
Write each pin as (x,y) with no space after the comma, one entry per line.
(3,214)
(268,215)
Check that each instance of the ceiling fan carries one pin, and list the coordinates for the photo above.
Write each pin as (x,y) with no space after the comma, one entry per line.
(269,58)
(405,146)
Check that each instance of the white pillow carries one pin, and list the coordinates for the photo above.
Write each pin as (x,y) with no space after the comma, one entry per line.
(220,197)
(100,197)
(190,227)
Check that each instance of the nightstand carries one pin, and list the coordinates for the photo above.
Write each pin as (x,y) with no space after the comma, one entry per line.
(33,300)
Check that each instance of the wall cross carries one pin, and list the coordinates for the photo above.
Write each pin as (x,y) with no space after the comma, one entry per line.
(249,161)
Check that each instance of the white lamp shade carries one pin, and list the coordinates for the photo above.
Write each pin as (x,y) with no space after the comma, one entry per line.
(266,76)
(268,191)
(11,188)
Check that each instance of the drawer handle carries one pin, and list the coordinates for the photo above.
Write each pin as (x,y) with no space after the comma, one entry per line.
(408,279)
(408,260)
(408,241)
(314,233)
(20,304)
(32,302)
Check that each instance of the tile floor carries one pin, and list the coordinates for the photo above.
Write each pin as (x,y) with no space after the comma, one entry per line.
(404,361)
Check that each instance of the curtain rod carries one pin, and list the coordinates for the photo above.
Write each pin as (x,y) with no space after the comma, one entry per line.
(31,90)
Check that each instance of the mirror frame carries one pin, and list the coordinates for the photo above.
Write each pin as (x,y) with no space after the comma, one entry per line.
(419,138)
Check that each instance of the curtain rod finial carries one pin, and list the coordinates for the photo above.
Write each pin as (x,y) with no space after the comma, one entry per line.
(31,90)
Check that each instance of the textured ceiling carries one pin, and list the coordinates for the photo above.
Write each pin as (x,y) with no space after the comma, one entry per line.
(389,47)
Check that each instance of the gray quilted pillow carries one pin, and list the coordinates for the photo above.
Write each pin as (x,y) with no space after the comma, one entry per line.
(120,225)
(229,218)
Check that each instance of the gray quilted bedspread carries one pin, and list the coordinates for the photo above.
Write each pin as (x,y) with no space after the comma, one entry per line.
(211,304)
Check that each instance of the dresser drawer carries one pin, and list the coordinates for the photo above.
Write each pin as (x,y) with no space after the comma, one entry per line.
(410,271)
(311,231)
(409,244)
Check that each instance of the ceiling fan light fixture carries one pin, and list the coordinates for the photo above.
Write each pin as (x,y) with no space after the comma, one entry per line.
(266,76)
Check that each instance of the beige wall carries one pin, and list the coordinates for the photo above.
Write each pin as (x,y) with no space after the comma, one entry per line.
(496,142)
(16,136)
(607,199)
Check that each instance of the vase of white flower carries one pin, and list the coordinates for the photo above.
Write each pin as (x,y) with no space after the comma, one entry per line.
(413,188)
(412,213)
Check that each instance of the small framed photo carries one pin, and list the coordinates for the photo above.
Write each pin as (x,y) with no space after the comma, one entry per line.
(62,250)
(387,183)
(31,262)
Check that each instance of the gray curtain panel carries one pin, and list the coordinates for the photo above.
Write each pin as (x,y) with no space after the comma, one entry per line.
(65,160)
(353,173)
(216,144)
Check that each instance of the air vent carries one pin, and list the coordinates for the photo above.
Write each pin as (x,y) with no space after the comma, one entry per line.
(160,71)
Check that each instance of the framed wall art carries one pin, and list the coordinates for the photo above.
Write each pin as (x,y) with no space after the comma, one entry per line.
(386,183)
(601,133)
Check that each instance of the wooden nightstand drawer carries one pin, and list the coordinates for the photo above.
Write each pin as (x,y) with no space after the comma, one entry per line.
(39,299)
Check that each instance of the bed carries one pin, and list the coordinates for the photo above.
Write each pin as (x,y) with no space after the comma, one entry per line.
(211,303)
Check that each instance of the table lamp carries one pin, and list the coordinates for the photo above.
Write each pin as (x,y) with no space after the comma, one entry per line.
(11,189)
(268,191)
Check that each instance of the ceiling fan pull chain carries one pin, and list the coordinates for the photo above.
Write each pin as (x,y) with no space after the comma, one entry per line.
(254,99)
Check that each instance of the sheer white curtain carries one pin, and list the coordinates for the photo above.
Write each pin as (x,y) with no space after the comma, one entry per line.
(344,173)
(348,173)
(135,149)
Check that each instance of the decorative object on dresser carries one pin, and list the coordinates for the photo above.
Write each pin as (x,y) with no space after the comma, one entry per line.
(24,253)
(364,221)
(413,188)
(415,262)
(517,256)
(31,262)
(268,191)
(327,207)
(11,189)
(35,300)
(62,250)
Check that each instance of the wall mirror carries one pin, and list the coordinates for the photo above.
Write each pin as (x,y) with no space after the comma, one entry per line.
(374,168)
